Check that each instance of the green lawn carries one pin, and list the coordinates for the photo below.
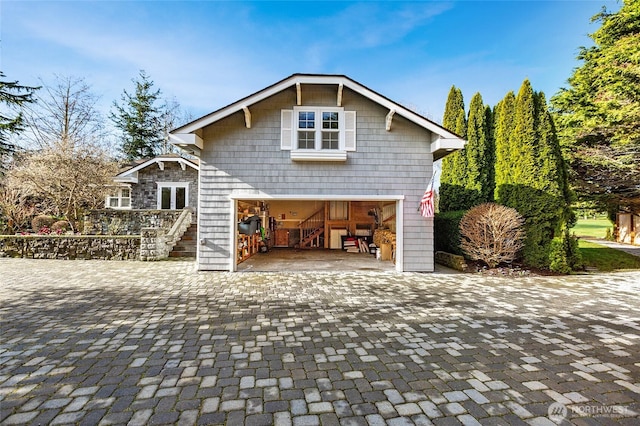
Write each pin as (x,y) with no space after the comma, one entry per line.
(596,228)
(606,259)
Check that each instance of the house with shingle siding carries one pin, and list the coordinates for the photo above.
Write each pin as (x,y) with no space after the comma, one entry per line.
(321,160)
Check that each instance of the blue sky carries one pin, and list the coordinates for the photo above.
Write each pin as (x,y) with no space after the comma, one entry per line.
(209,54)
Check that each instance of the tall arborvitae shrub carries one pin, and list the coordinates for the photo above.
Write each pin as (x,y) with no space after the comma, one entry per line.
(467,175)
(453,177)
(479,182)
(530,173)
(554,175)
(502,129)
(491,173)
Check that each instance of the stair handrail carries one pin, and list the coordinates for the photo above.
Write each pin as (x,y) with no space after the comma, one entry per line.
(311,224)
(388,212)
(179,227)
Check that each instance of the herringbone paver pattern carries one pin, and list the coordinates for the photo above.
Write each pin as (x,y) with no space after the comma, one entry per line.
(158,343)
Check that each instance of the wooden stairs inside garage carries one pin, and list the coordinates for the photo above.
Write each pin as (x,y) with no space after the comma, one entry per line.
(312,230)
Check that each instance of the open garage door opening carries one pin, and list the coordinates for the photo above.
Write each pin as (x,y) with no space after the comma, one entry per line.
(290,235)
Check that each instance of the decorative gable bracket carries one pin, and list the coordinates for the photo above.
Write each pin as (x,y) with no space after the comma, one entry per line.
(247,117)
(389,119)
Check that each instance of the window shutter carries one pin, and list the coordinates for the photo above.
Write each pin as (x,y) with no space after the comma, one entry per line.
(350,130)
(286,129)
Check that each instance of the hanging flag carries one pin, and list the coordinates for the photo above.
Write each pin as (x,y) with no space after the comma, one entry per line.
(427,208)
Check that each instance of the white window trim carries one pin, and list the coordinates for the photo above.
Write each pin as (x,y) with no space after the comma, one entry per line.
(318,129)
(289,136)
(318,155)
(173,186)
(119,197)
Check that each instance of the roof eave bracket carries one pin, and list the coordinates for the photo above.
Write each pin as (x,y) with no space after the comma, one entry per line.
(389,119)
(247,117)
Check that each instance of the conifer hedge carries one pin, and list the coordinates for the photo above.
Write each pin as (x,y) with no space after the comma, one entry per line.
(512,156)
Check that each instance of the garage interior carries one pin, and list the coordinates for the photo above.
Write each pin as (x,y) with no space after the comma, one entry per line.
(315,235)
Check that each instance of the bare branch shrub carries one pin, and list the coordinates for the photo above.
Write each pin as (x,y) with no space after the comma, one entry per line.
(71,169)
(16,209)
(66,183)
(492,233)
(41,221)
(60,226)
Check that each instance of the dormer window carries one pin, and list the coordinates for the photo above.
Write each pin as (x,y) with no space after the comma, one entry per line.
(306,130)
(319,128)
(330,130)
(318,133)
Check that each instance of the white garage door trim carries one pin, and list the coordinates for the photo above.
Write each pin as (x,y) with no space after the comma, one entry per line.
(236,196)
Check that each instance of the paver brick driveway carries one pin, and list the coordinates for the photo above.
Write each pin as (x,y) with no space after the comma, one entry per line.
(158,343)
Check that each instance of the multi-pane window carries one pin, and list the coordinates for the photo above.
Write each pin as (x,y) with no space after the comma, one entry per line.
(119,198)
(306,130)
(318,133)
(322,135)
(330,130)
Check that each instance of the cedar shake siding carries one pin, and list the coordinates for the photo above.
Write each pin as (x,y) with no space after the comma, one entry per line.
(385,163)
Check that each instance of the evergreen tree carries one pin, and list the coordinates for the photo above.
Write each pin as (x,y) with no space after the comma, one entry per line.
(14,96)
(530,173)
(479,156)
(453,177)
(522,140)
(553,172)
(491,173)
(454,115)
(598,115)
(467,175)
(503,127)
(140,120)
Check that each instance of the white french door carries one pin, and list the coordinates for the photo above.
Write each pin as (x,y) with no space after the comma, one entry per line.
(173,195)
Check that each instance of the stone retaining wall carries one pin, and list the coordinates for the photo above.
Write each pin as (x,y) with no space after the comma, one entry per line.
(157,243)
(127,222)
(153,244)
(451,260)
(121,247)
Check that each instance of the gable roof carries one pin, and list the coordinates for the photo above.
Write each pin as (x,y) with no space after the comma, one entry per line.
(130,174)
(186,135)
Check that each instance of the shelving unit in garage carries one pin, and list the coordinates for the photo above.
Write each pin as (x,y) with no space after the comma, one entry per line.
(252,218)
(248,245)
